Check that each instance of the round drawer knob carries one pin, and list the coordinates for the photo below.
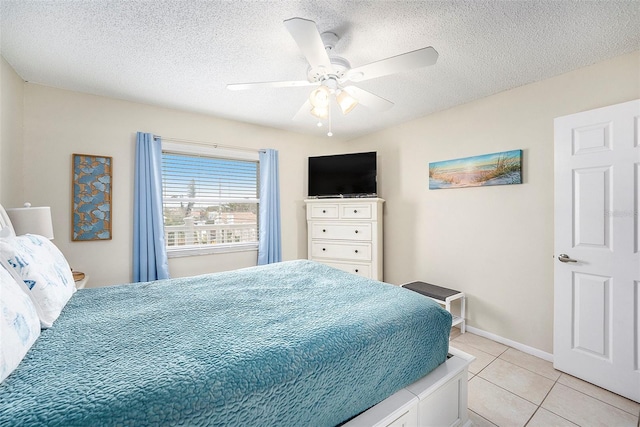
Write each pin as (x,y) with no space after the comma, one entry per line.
(324,231)
(323,249)
(355,211)
(323,211)
(356,270)
(356,231)
(356,251)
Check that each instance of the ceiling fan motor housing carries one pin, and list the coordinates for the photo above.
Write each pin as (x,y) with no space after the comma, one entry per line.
(340,65)
(340,68)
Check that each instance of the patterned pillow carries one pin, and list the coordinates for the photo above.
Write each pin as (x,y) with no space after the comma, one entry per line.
(42,267)
(19,324)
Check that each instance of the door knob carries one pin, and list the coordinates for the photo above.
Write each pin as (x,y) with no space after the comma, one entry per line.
(565,258)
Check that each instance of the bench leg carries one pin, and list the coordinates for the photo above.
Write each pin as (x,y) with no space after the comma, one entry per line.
(462,314)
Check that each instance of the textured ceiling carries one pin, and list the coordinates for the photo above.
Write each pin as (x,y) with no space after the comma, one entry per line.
(181,54)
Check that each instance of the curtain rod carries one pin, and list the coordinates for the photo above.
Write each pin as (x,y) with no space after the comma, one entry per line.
(208,144)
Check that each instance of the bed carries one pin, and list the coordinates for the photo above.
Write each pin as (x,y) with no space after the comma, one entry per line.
(288,344)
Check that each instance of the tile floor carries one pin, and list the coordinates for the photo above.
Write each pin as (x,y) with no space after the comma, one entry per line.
(510,388)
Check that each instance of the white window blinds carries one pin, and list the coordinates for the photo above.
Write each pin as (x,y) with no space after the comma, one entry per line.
(209,200)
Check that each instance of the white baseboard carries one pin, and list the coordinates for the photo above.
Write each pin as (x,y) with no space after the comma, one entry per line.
(518,346)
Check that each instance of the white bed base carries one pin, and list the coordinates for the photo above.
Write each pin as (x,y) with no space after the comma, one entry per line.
(438,399)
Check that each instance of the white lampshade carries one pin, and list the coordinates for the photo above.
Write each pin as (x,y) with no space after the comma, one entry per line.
(319,112)
(346,101)
(32,220)
(320,97)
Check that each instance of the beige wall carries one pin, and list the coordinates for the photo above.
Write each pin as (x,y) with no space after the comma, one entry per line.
(11,116)
(494,243)
(59,123)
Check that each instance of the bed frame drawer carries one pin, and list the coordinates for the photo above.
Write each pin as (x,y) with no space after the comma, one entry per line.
(350,251)
(439,398)
(341,231)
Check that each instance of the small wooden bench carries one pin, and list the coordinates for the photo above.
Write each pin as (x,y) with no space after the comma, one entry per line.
(442,296)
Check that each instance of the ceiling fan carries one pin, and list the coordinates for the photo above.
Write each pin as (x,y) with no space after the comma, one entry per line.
(332,74)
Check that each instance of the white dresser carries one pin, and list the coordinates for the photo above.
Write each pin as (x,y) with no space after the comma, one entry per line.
(346,234)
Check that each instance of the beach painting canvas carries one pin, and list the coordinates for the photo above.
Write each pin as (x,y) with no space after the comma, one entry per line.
(477,171)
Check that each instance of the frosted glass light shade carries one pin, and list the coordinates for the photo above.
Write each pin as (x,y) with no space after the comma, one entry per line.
(32,220)
(319,112)
(346,102)
(320,97)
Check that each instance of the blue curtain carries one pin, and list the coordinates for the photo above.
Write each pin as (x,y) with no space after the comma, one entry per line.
(269,244)
(149,251)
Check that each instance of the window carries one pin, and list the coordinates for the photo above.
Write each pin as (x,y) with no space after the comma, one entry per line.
(210,203)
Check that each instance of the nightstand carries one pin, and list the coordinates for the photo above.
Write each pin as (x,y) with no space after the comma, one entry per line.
(442,296)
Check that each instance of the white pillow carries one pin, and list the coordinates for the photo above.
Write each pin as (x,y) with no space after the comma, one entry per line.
(19,324)
(41,266)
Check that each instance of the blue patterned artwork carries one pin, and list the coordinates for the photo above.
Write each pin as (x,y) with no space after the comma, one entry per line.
(487,169)
(91,197)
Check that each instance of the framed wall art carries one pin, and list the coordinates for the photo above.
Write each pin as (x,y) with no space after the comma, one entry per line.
(92,197)
(488,169)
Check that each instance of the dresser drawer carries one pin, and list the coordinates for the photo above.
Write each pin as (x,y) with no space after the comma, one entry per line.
(346,251)
(323,211)
(363,270)
(356,211)
(341,231)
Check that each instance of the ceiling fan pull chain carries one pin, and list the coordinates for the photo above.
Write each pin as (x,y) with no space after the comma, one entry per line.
(329,114)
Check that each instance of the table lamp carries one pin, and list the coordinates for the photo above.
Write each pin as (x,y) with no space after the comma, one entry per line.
(32,220)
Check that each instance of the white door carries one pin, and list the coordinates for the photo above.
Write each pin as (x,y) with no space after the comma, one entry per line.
(597,239)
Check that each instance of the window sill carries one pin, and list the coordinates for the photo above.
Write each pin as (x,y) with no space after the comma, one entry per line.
(184,251)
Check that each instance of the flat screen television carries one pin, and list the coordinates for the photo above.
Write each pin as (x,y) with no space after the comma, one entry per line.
(343,175)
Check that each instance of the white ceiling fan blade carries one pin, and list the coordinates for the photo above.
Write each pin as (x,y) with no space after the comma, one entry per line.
(306,35)
(303,112)
(406,61)
(368,99)
(244,86)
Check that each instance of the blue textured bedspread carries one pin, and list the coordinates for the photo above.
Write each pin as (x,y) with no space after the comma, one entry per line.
(289,344)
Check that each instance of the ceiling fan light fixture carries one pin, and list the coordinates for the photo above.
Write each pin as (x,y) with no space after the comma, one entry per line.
(320,112)
(346,102)
(320,97)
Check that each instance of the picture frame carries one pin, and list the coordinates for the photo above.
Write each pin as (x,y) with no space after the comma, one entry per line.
(502,168)
(91,210)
